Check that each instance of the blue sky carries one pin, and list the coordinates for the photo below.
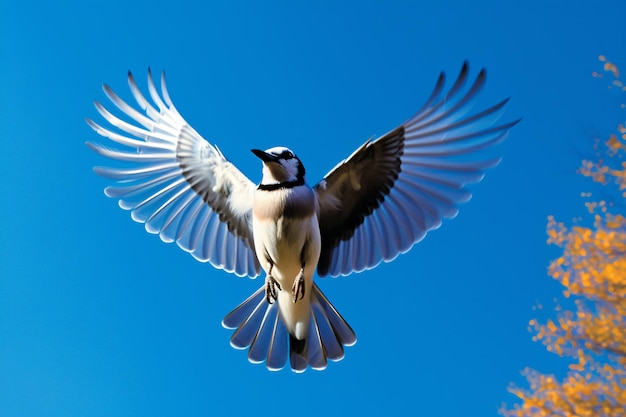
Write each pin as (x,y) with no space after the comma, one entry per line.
(99,318)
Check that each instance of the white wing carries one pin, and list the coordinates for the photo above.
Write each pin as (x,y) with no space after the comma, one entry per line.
(390,192)
(176,182)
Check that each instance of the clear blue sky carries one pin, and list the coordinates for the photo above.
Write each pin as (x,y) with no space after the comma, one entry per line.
(99,318)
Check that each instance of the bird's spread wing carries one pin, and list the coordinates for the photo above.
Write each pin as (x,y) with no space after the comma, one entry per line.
(384,198)
(176,182)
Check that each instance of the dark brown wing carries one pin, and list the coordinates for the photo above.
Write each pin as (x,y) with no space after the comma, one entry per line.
(390,192)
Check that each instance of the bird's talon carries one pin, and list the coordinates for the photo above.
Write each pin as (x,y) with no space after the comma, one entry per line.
(298,287)
(270,289)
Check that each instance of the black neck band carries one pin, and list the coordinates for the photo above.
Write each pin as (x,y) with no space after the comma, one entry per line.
(288,184)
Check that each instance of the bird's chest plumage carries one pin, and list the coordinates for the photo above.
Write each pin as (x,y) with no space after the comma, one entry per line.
(283,221)
(287,243)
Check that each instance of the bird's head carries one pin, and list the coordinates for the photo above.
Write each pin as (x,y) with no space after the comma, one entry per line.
(280,166)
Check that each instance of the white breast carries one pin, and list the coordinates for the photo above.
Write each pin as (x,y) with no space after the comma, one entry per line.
(284,221)
(286,230)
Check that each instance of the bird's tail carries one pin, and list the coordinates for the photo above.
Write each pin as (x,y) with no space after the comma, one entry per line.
(260,328)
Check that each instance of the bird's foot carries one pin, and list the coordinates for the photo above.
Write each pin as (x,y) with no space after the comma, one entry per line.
(270,289)
(298,287)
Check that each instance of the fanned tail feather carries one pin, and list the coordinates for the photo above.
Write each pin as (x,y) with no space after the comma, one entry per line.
(259,327)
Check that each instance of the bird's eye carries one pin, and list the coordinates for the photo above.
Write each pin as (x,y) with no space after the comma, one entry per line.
(286,155)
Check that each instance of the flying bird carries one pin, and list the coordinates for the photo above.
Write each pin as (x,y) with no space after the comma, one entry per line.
(373,206)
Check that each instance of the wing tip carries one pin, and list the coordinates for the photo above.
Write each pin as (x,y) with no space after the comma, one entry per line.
(465,67)
(94,147)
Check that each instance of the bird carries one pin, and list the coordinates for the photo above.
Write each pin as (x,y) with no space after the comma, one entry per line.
(372,206)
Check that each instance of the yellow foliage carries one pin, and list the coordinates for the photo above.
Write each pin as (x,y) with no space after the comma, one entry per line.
(612,68)
(592,269)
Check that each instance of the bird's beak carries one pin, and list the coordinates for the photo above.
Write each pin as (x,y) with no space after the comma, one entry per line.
(264,156)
